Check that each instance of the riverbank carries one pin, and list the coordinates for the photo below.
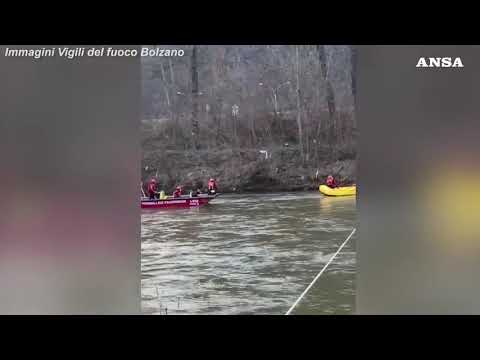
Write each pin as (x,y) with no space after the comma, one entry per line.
(247,170)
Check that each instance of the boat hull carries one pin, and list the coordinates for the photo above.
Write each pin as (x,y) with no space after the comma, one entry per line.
(183,202)
(340,191)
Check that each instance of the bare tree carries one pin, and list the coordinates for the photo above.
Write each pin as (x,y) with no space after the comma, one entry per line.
(194,73)
(197,92)
(172,77)
(299,110)
(353,72)
(353,67)
(330,96)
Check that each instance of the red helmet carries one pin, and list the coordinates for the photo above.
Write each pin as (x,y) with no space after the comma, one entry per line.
(178,188)
(152,180)
(330,177)
(212,179)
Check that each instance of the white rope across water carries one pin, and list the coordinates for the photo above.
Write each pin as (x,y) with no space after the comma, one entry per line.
(320,273)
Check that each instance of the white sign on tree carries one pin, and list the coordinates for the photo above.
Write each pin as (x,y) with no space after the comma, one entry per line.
(235,110)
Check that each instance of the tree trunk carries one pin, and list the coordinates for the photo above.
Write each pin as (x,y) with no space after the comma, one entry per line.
(234,131)
(251,115)
(194,73)
(353,67)
(353,74)
(165,89)
(172,77)
(299,110)
(275,105)
(330,96)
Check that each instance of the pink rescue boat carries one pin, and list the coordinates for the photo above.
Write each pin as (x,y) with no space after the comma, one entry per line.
(178,202)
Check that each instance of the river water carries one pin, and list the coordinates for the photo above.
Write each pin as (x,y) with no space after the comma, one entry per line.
(250,254)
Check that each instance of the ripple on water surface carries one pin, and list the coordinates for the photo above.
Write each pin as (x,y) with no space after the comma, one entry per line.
(249,254)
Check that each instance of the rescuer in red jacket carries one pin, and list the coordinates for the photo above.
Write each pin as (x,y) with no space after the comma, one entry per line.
(152,189)
(212,186)
(177,192)
(331,182)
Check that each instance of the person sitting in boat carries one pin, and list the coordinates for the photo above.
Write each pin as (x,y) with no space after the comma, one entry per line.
(212,186)
(195,193)
(152,189)
(177,192)
(331,183)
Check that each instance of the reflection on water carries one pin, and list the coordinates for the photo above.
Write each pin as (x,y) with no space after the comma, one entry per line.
(249,254)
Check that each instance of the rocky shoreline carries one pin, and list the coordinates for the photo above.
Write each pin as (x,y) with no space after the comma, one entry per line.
(244,170)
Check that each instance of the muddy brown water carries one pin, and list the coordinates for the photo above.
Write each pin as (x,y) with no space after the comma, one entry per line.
(250,254)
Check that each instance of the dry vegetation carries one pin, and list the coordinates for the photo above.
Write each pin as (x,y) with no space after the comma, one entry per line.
(258,118)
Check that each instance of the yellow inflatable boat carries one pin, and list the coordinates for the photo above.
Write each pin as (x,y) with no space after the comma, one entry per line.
(340,191)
